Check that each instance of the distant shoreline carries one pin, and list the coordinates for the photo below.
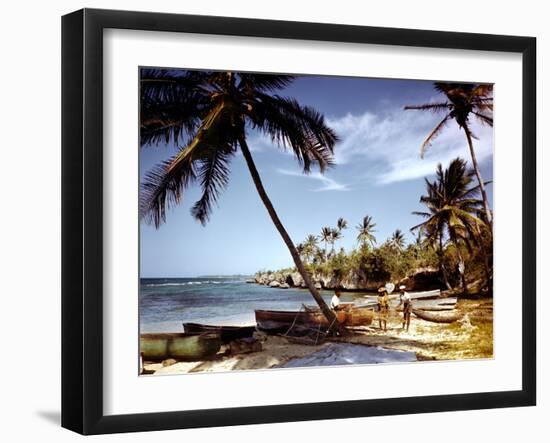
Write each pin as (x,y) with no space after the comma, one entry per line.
(199,276)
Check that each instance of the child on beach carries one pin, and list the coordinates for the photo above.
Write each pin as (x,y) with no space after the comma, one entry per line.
(407,307)
(383,308)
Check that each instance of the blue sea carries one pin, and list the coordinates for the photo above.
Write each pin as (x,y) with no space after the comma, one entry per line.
(165,303)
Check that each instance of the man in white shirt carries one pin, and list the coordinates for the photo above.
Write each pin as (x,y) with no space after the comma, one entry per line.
(335,301)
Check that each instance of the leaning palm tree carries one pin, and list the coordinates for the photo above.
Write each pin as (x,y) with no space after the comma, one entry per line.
(397,239)
(452,207)
(209,115)
(366,229)
(463,101)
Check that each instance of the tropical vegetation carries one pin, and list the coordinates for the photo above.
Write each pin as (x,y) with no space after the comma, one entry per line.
(453,238)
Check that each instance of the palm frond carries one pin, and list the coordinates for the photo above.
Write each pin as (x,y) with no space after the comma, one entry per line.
(484,118)
(435,107)
(265,82)
(171,104)
(295,127)
(213,173)
(433,134)
(163,186)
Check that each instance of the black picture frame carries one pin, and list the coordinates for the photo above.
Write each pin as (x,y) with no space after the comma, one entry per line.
(82,218)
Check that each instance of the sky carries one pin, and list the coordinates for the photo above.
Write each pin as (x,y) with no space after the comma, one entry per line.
(378,171)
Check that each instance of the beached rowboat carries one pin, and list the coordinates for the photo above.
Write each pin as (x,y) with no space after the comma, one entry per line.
(395,297)
(437,317)
(179,346)
(279,320)
(440,304)
(227,333)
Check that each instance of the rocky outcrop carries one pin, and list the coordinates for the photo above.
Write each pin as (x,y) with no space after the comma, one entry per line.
(422,279)
(294,279)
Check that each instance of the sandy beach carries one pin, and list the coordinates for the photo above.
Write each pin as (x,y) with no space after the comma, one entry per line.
(469,338)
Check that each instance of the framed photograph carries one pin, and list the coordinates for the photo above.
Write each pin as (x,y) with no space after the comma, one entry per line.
(269,221)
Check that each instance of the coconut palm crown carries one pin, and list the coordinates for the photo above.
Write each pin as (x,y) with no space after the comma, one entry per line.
(452,206)
(366,229)
(397,239)
(326,236)
(341,224)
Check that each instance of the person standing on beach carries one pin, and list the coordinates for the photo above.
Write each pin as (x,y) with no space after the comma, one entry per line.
(335,301)
(405,300)
(383,308)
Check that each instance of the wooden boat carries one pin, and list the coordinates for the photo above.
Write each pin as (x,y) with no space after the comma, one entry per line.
(179,346)
(425,295)
(394,298)
(440,304)
(422,295)
(311,318)
(227,333)
(437,317)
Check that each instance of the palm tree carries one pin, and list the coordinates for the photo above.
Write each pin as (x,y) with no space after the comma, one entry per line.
(335,235)
(326,236)
(452,207)
(366,229)
(397,239)
(463,100)
(419,240)
(319,256)
(210,113)
(310,246)
(418,244)
(341,224)
(300,248)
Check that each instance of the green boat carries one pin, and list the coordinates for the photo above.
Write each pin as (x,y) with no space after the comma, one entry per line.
(179,346)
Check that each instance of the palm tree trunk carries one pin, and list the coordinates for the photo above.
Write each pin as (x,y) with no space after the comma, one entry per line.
(463,273)
(327,312)
(442,265)
(479,179)
(486,267)
(485,206)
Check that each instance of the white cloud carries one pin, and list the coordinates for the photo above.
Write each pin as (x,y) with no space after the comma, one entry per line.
(259,141)
(327,184)
(391,142)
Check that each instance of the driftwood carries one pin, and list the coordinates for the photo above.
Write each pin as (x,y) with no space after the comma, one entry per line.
(437,317)
(245,346)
